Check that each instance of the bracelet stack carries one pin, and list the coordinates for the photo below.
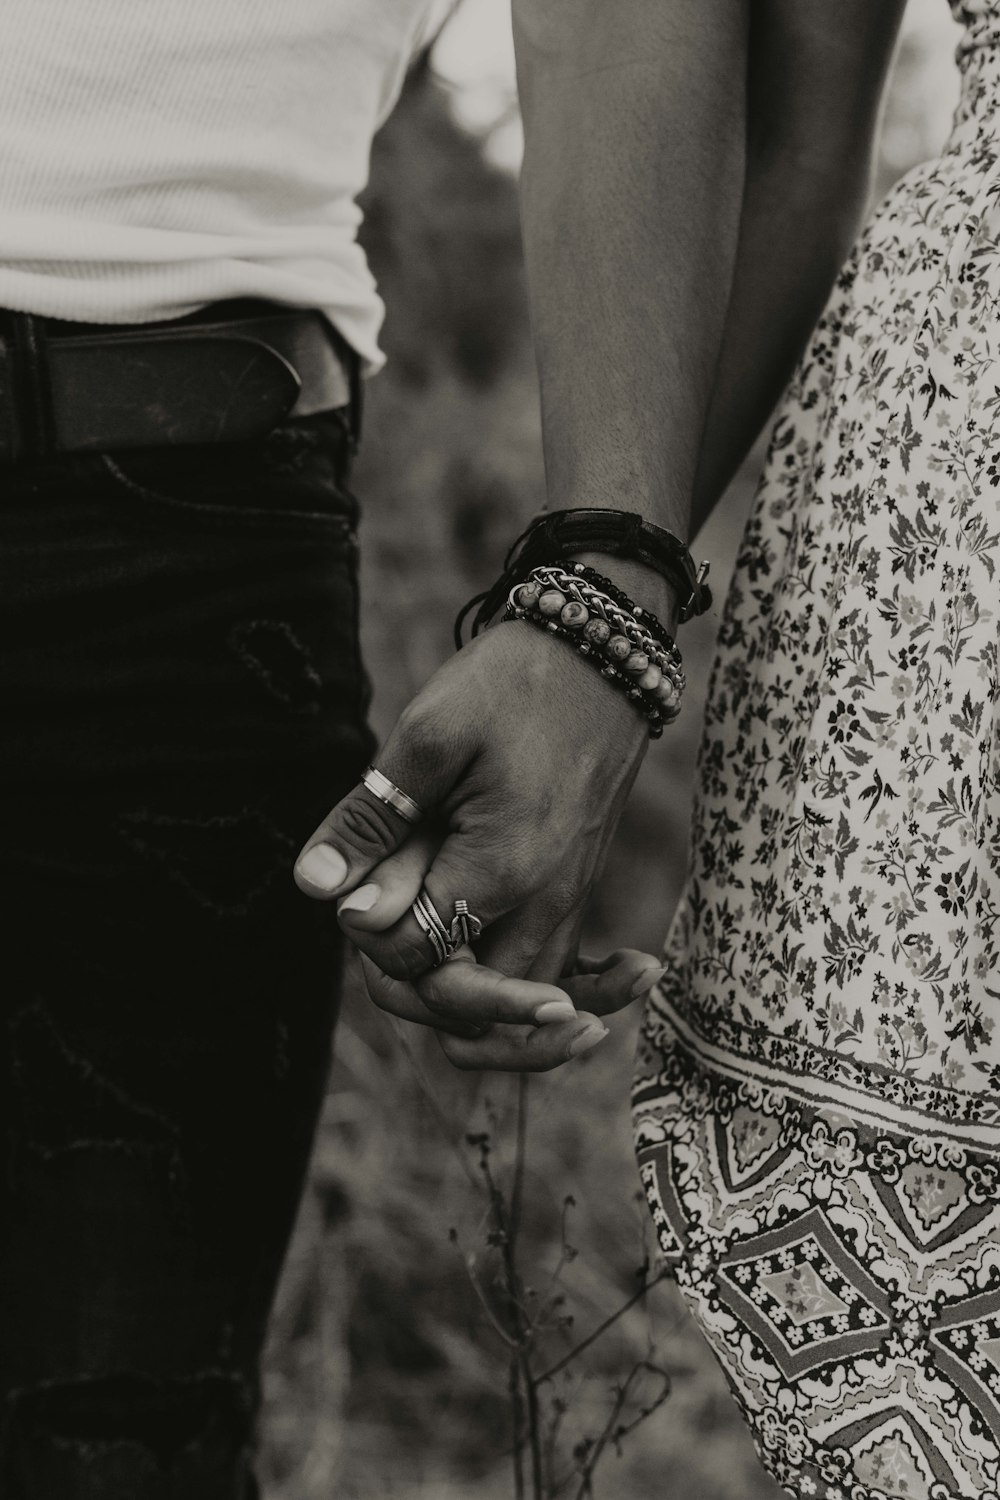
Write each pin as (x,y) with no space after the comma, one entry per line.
(541,584)
(555,535)
(628,644)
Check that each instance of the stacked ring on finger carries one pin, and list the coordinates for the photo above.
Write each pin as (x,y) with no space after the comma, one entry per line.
(465,928)
(445,941)
(393,796)
(629,645)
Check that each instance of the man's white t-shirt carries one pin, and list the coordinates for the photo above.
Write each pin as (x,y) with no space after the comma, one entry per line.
(158,155)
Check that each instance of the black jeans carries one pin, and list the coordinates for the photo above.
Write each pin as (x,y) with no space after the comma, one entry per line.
(182,700)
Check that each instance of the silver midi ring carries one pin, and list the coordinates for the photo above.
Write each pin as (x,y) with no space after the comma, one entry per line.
(393,796)
(465,928)
(445,941)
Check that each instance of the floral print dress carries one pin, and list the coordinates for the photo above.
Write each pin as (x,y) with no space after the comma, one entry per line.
(817,1098)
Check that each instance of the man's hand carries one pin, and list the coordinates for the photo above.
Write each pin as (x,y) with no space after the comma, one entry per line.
(523,755)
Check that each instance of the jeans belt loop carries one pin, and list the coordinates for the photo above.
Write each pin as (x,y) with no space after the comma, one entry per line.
(31,417)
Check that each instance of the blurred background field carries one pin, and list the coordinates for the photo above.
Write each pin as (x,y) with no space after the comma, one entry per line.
(386,1376)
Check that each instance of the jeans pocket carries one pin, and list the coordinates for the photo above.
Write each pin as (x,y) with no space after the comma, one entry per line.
(292,479)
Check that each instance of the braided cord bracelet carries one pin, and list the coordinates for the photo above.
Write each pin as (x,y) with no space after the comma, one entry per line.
(605,585)
(557,534)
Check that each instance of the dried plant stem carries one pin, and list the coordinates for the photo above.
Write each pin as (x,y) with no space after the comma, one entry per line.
(601,1328)
(493,1320)
(534,1427)
(521,1331)
(519,1319)
(528,1401)
(520,1152)
(517,1409)
(612,1432)
(555,1422)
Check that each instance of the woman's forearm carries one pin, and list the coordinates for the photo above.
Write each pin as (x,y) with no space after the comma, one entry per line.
(794,236)
(634,118)
(668,304)
(815,80)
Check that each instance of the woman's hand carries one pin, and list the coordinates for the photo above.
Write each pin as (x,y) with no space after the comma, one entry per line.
(570,1027)
(523,756)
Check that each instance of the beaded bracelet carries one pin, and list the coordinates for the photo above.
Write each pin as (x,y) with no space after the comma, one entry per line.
(622,645)
(607,601)
(656,715)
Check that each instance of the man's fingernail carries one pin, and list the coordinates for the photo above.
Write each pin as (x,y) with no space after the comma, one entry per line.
(646,980)
(587,1038)
(363,899)
(555,1010)
(323,867)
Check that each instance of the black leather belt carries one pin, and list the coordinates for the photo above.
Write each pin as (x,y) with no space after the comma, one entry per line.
(214,378)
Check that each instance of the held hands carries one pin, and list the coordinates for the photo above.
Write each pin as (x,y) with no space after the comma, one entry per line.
(524,757)
(551,1030)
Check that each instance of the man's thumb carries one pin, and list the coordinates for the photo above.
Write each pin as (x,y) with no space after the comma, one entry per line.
(351,840)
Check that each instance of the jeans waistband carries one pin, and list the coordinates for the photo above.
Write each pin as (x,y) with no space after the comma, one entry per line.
(229,373)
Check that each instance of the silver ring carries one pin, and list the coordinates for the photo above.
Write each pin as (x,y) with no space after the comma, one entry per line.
(393,796)
(445,941)
(465,928)
(429,920)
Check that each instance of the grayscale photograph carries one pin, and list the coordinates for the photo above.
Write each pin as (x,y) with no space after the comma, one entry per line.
(500,680)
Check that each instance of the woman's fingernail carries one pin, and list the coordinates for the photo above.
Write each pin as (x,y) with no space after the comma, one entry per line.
(587,1038)
(646,980)
(363,899)
(323,867)
(555,1010)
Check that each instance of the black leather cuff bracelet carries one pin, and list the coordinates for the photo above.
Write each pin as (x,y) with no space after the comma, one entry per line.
(615,533)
